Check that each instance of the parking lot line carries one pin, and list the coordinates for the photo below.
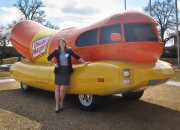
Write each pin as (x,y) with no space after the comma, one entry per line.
(173,83)
(6,80)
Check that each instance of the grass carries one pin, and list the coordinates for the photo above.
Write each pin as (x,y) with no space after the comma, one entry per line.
(11,60)
(177,76)
(5,74)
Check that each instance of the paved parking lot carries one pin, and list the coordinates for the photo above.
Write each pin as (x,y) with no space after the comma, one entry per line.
(159,108)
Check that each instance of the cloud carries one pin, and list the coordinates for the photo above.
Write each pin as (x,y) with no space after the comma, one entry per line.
(81,11)
(178,4)
(7,15)
(69,13)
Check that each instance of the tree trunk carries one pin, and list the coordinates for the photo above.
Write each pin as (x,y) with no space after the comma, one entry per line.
(19,57)
(2,55)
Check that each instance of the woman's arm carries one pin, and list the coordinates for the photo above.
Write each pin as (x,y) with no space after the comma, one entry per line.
(49,58)
(51,55)
(77,57)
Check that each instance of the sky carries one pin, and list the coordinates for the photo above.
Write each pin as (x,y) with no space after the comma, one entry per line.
(73,13)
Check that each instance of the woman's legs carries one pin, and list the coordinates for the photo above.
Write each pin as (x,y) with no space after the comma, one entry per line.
(57,96)
(63,89)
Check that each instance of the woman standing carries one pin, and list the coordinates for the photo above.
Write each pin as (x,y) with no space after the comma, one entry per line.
(63,70)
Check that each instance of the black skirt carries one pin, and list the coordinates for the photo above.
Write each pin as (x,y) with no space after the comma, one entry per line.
(63,77)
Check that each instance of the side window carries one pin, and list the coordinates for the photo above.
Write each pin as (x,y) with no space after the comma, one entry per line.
(139,32)
(106,33)
(88,38)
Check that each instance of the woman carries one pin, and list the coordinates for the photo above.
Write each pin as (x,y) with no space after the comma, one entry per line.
(62,71)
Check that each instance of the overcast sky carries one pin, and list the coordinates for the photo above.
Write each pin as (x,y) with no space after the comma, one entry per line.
(73,13)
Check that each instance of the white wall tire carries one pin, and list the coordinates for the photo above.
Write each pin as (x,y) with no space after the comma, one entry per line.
(25,88)
(88,102)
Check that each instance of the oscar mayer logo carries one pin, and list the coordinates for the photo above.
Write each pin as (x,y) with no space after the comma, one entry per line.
(39,47)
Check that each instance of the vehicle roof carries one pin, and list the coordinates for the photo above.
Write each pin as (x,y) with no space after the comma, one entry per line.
(126,17)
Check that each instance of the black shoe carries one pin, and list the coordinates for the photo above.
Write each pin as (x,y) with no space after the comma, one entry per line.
(61,109)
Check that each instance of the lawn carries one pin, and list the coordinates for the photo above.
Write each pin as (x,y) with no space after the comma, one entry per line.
(177,76)
(5,74)
(11,60)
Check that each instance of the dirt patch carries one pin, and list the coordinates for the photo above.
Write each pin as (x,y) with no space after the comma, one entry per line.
(159,108)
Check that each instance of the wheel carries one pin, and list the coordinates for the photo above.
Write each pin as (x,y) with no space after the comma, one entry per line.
(133,95)
(25,88)
(88,102)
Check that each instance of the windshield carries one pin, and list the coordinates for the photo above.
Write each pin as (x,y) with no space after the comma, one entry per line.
(139,32)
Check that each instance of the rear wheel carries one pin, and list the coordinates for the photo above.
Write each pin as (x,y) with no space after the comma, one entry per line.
(25,88)
(133,95)
(88,102)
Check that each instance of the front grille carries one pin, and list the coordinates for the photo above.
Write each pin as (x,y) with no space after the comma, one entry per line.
(156,82)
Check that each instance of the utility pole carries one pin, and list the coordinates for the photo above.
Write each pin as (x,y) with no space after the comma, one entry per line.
(125,4)
(177,34)
(150,6)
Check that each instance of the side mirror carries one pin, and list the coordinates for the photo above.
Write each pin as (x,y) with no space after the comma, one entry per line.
(115,37)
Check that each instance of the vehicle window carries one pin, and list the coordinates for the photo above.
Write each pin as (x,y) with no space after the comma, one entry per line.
(88,38)
(139,32)
(106,33)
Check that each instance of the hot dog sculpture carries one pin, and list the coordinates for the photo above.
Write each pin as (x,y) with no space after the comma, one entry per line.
(123,49)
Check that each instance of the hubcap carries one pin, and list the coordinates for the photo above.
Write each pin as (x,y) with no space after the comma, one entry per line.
(85,100)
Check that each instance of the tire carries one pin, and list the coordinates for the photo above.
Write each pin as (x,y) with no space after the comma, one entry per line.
(25,88)
(133,95)
(88,102)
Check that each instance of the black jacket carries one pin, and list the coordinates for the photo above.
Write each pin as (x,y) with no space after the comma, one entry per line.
(56,54)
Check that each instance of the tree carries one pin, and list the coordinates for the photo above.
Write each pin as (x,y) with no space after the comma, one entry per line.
(50,25)
(164,13)
(4,40)
(32,10)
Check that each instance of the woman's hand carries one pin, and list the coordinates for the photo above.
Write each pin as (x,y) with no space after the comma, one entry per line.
(52,63)
(86,63)
(56,65)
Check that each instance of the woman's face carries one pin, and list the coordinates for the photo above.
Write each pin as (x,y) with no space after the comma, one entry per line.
(62,44)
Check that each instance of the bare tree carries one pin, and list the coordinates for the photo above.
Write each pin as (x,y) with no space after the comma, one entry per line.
(31,10)
(50,25)
(164,13)
(4,40)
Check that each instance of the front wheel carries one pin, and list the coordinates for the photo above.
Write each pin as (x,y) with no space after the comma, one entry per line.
(88,102)
(25,88)
(133,95)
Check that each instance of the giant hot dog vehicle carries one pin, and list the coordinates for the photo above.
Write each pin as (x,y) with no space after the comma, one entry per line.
(123,50)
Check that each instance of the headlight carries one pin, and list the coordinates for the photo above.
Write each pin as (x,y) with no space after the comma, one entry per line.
(126,73)
(127,81)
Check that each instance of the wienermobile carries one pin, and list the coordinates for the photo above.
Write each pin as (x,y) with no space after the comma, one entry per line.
(124,51)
